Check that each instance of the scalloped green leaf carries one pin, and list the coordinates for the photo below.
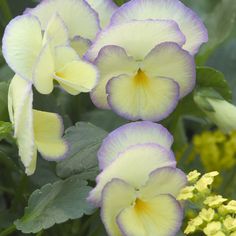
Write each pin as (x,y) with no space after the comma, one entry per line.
(84,140)
(54,204)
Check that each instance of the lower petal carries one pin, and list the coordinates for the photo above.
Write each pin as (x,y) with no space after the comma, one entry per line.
(77,77)
(116,196)
(160,216)
(153,101)
(48,130)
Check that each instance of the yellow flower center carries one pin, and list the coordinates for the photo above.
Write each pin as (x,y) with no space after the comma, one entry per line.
(141,79)
(141,206)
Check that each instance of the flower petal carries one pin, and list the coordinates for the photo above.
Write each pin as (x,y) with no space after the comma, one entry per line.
(105,9)
(133,166)
(22,42)
(137,37)
(131,134)
(166,180)
(48,129)
(20,98)
(43,71)
(80,45)
(111,61)
(116,196)
(77,77)
(168,60)
(56,32)
(189,22)
(153,101)
(32,166)
(64,55)
(78,16)
(162,215)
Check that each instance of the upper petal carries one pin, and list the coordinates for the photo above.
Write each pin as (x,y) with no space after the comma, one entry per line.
(131,134)
(48,129)
(105,9)
(160,216)
(111,61)
(78,16)
(116,196)
(153,99)
(80,45)
(133,166)
(169,60)
(21,44)
(137,37)
(166,180)
(189,22)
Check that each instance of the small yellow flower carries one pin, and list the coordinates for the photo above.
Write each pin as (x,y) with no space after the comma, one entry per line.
(231,207)
(186,193)
(233,234)
(193,225)
(193,176)
(207,214)
(212,228)
(230,223)
(214,201)
(205,181)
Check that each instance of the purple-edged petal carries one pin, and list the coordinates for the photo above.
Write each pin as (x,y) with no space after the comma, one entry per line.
(48,130)
(160,216)
(116,196)
(133,166)
(142,97)
(166,180)
(189,22)
(20,99)
(111,61)
(78,16)
(22,42)
(105,9)
(132,134)
(137,37)
(168,60)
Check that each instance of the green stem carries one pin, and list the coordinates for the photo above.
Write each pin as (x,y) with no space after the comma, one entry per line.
(8,231)
(40,233)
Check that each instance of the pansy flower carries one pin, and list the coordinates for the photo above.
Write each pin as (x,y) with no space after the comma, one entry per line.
(83,19)
(144,71)
(139,182)
(44,57)
(34,130)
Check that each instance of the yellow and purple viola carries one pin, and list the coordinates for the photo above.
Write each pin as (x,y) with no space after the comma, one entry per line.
(145,58)
(139,182)
(34,130)
(42,58)
(84,19)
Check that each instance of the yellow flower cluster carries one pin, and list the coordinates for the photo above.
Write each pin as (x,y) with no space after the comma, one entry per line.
(217,216)
(216,149)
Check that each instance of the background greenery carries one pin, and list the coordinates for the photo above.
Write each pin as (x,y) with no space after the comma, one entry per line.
(81,166)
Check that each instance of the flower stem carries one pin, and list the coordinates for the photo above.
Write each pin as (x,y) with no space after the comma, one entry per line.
(8,231)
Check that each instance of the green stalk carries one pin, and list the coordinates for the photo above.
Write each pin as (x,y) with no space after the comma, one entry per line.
(8,231)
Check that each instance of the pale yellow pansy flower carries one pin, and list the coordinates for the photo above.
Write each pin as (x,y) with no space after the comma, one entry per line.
(43,58)
(34,130)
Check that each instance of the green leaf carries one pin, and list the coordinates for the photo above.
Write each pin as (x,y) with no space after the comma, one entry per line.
(210,78)
(84,140)
(3,101)
(55,204)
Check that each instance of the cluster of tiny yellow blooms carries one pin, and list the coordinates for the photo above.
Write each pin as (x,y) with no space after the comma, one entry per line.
(216,149)
(216,215)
